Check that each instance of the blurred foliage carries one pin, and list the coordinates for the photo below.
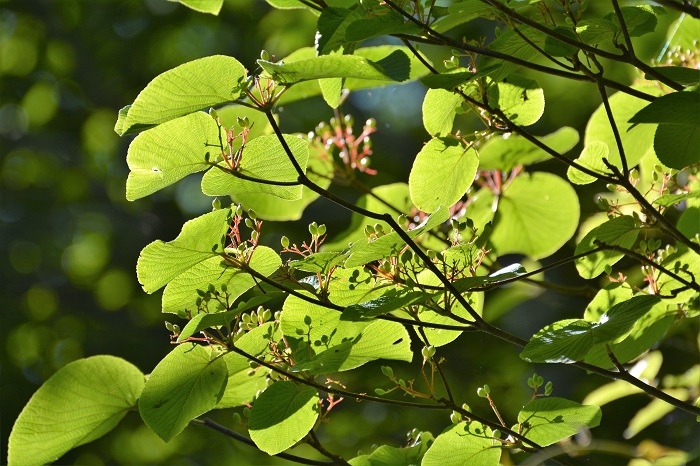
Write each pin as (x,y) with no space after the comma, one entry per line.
(71,240)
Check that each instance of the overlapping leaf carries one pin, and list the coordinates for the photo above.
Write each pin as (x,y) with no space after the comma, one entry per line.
(548,420)
(464,443)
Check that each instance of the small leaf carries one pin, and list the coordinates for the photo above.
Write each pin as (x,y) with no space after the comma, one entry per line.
(187,383)
(282,415)
(548,420)
(671,199)
(204,321)
(386,455)
(592,158)
(441,174)
(464,443)
(193,86)
(80,403)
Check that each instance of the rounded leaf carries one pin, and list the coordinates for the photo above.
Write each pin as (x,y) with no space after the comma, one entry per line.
(80,403)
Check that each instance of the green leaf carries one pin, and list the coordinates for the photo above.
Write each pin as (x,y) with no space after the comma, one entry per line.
(263,158)
(363,252)
(684,263)
(469,443)
(620,231)
(160,262)
(648,330)
(506,273)
(439,110)
(442,172)
(671,199)
(80,403)
(676,146)
(396,194)
(679,74)
(321,262)
(306,89)
(332,25)
(536,215)
(463,12)
(520,99)
(187,383)
(639,20)
(636,139)
(181,292)
(192,86)
(592,158)
(394,67)
(677,108)
(204,321)
(653,412)
(167,153)
(282,415)
(203,6)
(449,79)
(269,207)
(242,386)
(390,456)
(324,343)
(392,299)
(606,298)
(548,420)
(570,340)
(510,43)
(505,153)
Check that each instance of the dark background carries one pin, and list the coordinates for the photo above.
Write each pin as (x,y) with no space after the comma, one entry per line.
(70,240)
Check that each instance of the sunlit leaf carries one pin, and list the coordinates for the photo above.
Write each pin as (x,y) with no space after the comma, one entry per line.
(80,403)
(548,420)
(464,443)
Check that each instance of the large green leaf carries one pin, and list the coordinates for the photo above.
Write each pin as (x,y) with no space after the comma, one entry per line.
(375,25)
(390,300)
(620,231)
(639,20)
(636,139)
(548,420)
(263,158)
(283,415)
(167,153)
(439,110)
(332,25)
(654,411)
(469,443)
(520,99)
(80,403)
(181,292)
(204,6)
(160,262)
(187,383)
(505,153)
(571,340)
(394,67)
(192,86)
(442,172)
(536,215)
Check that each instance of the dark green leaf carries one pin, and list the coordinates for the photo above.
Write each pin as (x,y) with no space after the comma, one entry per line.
(677,146)
(678,108)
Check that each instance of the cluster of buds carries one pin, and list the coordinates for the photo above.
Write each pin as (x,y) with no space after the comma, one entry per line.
(685,58)
(354,151)
(236,244)
(318,236)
